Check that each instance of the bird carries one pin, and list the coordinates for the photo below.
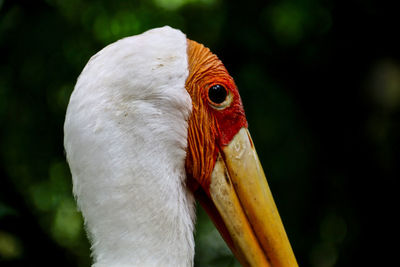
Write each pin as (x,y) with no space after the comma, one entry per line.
(154,123)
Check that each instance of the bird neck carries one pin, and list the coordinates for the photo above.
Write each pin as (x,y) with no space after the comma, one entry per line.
(126,140)
(141,226)
(132,193)
(130,182)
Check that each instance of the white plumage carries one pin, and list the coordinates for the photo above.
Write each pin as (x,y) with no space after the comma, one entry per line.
(130,137)
(126,139)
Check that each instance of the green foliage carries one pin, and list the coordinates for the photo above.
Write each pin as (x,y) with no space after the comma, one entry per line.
(320,85)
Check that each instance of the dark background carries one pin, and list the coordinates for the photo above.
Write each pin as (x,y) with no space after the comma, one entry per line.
(320,81)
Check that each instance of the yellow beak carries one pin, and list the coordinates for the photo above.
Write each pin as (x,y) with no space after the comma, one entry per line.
(247,216)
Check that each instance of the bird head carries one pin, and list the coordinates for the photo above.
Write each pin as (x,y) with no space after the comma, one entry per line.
(160,94)
(223,169)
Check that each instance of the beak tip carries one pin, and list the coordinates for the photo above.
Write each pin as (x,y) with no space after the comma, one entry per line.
(242,196)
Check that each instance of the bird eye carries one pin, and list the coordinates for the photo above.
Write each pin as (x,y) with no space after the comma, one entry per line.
(218,97)
(217,94)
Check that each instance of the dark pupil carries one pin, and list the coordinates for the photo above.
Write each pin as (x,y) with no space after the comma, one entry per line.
(217,93)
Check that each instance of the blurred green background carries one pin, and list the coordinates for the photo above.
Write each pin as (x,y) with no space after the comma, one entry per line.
(320,81)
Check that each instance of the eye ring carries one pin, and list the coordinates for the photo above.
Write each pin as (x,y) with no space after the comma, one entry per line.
(219,97)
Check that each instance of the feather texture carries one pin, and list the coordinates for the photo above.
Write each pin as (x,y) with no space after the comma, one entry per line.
(126,140)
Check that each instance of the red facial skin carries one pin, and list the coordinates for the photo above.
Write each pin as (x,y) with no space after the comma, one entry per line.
(209,128)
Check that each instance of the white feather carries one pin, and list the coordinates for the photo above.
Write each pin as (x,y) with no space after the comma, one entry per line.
(126,139)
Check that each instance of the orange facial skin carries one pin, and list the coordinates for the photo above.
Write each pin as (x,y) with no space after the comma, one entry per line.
(209,128)
(223,169)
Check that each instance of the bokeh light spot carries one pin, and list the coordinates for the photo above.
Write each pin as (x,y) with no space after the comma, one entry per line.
(67,223)
(43,197)
(176,4)
(10,247)
(385,84)
(323,255)
(287,21)
(333,229)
